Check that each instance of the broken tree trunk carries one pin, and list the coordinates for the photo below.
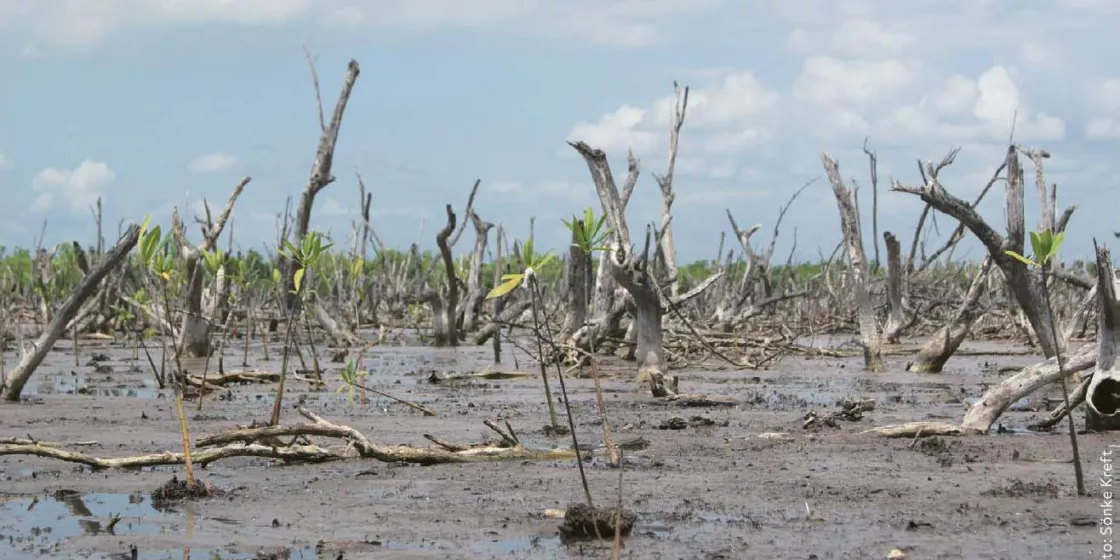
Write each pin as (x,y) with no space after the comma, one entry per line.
(1025,282)
(472,304)
(626,268)
(892,331)
(849,225)
(15,381)
(942,345)
(579,279)
(194,335)
(1103,395)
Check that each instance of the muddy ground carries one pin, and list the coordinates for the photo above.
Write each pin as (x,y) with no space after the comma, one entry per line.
(717,487)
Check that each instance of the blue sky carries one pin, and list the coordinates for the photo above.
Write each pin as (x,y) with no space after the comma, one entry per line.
(152,104)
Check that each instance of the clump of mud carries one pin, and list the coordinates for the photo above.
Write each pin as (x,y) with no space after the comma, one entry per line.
(582,521)
(175,491)
(1020,489)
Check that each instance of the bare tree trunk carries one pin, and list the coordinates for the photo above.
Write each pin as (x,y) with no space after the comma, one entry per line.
(194,335)
(1103,395)
(473,302)
(942,345)
(605,314)
(893,329)
(443,312)
(15,381)
(1024,282)
(668,250)
(626,269)
(320,170)
(849,225)
(579,276)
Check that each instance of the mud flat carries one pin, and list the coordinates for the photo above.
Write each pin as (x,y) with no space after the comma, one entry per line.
(747,481)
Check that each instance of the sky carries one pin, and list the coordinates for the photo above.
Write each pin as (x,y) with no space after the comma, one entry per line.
(152,104)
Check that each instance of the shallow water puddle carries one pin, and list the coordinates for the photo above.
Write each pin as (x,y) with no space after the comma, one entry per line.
(33,526)
(73,383)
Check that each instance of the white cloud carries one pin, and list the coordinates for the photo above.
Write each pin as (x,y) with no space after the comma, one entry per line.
(79,187)
(503,186)
(615,132)
(81,24)
(829,81)
(862,38)
(211,163)
(5,162)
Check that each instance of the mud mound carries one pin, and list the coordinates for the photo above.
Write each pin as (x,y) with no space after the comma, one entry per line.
(175,491)
(582,521)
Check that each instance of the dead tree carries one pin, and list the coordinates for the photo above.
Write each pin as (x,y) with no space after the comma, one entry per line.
(15,381)
(665,182)
(606,309)
(444,329)
(941,346)
(853,240)
(472,303)
(320,170)
(1103,396)
(626,268)
(892,331)
(1025,282)
(194,335)
(578,285)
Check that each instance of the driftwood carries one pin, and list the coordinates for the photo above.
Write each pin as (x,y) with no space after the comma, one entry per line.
(246,442)
(15,381)
(853,240)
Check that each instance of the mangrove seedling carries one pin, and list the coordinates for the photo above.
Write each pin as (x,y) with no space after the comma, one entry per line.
(1045,246)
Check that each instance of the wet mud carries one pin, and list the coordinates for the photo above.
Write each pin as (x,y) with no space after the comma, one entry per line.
(757,480)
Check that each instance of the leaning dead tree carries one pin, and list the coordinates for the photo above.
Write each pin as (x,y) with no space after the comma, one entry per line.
(15,381)
(1101,389)
(853,240)
(1025,282)
(628,269)
(194,336)
(941,346)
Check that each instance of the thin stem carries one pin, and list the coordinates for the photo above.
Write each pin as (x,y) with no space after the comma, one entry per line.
(544,368)
(563,391)
(1078,475)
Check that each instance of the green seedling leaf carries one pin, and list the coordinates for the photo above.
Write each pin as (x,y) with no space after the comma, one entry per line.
(1037,246)
(297,279)
(1021,258)
(509,283)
